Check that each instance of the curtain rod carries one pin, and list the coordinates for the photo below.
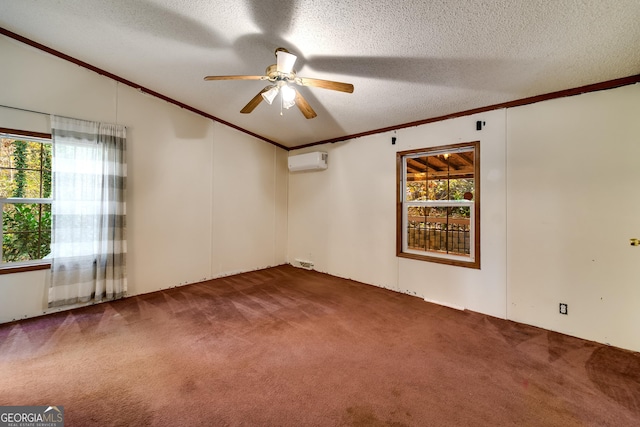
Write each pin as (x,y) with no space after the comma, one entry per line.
(24,109)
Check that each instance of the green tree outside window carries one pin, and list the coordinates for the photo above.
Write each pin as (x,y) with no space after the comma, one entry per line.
(25,172)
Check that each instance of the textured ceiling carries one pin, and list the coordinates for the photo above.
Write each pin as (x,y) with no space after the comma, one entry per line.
(408,60)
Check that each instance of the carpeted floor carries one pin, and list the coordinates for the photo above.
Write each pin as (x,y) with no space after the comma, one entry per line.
(290,347)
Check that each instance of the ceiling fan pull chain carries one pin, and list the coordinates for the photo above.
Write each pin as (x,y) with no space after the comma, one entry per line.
(281,103)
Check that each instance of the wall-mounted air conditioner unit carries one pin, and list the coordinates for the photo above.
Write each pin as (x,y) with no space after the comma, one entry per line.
(309,161)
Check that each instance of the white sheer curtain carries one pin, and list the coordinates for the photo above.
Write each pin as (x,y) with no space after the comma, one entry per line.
(88,243)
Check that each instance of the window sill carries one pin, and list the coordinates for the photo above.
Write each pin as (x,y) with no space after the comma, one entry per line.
(468,264)
(23,268)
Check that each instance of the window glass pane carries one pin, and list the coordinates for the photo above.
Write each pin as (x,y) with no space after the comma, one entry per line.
(437,176)
(26,231)
(416,186)
(416,190)
(439,229)
(444,176)
(438,189)
(46,171)
(25,172)
(25,168)
(6,151)
(31,188)
(7,183)
(460,189)
(33,154)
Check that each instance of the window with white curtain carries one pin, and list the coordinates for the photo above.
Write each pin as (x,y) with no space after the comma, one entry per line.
(63,205)
(88,244)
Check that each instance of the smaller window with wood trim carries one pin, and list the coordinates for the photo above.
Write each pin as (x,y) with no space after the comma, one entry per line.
(438,213)
(25,198)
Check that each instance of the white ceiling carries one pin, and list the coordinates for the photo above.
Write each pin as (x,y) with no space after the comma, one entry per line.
(408,60)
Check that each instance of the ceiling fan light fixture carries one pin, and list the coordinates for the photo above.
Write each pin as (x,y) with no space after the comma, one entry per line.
(287,104)
(288,96)
(271,94)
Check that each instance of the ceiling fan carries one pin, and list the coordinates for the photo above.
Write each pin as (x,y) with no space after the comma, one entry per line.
(282,77)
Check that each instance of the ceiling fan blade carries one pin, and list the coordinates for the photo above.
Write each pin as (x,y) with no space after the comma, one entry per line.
(236,78)
(304,106)
(325,84)
(285,61)
(254,102)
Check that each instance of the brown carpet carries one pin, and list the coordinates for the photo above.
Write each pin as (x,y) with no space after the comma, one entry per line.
(289,347)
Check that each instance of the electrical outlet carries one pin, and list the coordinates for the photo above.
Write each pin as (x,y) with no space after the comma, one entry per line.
(564,308)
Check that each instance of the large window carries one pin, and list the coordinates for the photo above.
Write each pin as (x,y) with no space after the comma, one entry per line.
(25,197)
(438,215)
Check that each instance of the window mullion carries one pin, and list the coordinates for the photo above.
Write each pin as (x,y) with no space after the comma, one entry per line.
(26,200)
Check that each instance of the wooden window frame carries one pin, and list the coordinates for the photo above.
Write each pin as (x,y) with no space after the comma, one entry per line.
(400,207)
(42,264)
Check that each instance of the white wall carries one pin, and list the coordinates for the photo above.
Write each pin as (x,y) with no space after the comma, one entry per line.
(343,219)
(559,203)
(203,200)
(573,203)
(250,207)
(337,217)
